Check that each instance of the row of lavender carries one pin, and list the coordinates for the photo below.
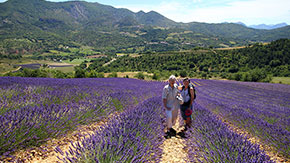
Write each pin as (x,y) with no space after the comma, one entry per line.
(133,136)
(261,109)
(33,110)
(210,140)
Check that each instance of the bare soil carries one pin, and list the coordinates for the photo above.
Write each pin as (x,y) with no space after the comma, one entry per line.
(174,148)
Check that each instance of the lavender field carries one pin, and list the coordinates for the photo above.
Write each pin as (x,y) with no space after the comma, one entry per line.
(34,110)
(261,109)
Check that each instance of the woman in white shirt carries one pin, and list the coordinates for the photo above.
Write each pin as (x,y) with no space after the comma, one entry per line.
(187,92)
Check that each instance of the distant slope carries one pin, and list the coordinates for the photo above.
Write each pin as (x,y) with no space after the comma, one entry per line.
(38,25)
(273,58)
(265,26)
(238,31)
(74,14)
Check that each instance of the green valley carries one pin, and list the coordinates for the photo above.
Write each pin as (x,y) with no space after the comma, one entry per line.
(90,39)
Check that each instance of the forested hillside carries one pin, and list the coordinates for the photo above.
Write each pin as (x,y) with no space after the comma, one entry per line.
(253,63)
(35,26)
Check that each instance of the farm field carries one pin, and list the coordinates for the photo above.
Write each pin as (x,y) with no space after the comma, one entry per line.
(36,110)
(281,80)
(260,110)
(130,74)
(7,65)
(76,61)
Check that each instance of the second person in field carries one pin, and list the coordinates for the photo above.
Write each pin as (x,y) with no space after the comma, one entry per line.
(187,92)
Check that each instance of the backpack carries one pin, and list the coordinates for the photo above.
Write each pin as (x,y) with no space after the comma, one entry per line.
(190,85)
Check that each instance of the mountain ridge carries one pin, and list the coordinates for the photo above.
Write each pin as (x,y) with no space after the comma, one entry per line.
(106,27)
(269,26)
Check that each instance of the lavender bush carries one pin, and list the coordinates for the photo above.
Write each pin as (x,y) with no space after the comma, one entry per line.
(33,110)
(134,136)
(261,109)
(210,140)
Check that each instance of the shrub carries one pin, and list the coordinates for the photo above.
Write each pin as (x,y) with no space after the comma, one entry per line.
(140,75)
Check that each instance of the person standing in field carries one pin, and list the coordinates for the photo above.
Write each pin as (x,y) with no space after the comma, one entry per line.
(171,101)
(188,95)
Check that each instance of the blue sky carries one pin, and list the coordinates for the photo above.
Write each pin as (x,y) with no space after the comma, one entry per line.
(210,11)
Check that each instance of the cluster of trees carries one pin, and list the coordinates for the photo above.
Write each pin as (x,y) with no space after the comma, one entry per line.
(29,40)
(13,56)
(253,63)
(252,75)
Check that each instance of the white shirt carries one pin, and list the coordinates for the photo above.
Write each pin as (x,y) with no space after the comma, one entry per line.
(185,95)
(170,95)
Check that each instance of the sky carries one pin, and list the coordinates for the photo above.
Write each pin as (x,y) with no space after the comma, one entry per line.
(250,12)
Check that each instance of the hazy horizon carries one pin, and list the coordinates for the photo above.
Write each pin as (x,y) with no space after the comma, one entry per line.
(249,12)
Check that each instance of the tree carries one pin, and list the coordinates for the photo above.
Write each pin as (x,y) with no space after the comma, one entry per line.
(113,75)
(79,73)
(156,76)
(140,75)
(60,74)
(100,75)
(204,75)
(183,73)
(238,76)
(83,65)
(92,74)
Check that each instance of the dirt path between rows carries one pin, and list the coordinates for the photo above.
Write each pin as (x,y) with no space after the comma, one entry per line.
(47,154)
(255,140)
(174,148)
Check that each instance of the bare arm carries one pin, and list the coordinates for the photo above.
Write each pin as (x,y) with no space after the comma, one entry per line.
(192,96)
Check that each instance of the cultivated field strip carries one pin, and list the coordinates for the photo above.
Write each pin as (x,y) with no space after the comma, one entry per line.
(260,109)
(134,136)
(35,110)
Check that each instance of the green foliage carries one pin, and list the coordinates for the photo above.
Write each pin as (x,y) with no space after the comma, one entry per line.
(80,73)
(140,75)
(94,74)
(97,64)
(204,75)
(29,73)
(113,75)
(60,74)
(256,75)
(248,64)
(156,76)
(35,27)
(183,73)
